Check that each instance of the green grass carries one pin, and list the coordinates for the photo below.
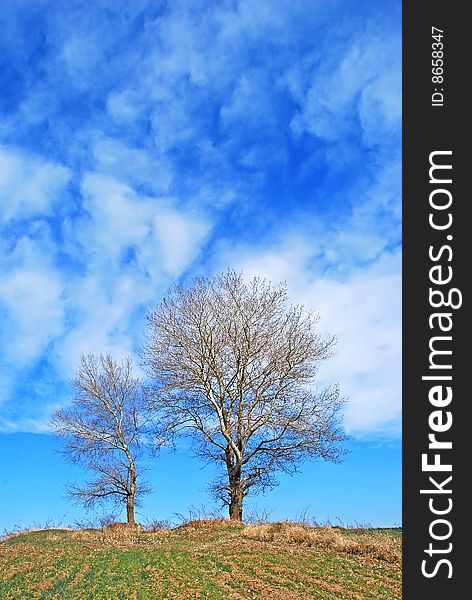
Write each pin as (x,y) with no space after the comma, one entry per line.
(215,560)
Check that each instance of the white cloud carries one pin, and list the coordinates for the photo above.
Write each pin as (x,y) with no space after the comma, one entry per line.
(29,186)
(165,239)
(362,309)
(132,247)
(179,238)
(359,84)
(364,312)
(123,106)
(117,217)
(101,320)
(32,303)
(132,165)
(171,121)
(380,107)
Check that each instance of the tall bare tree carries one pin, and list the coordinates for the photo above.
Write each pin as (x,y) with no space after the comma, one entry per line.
(103,430)
(235,365)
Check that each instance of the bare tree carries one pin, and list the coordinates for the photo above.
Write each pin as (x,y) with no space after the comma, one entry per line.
(235,365)
(103,430)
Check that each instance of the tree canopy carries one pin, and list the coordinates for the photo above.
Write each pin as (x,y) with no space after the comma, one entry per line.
(235,365)
(103,430)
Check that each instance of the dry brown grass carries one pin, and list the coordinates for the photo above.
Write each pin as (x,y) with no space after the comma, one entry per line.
(377,545)
(204,523)
(112,536)
(205,559)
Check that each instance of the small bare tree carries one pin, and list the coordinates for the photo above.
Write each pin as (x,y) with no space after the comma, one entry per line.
(103,430)
(236,366)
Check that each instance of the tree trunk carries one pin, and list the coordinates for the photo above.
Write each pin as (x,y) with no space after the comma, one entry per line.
(236,493)
(236,501)
(130,509)
(131,490)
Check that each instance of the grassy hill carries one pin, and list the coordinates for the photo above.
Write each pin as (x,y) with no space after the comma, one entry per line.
(203,559)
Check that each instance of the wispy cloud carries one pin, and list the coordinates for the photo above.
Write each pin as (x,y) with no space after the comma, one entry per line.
(144,142)
(29,186)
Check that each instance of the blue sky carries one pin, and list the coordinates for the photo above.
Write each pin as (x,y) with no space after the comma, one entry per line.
(146,142)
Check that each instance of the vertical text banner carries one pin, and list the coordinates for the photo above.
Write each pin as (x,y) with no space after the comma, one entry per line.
(436,425)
